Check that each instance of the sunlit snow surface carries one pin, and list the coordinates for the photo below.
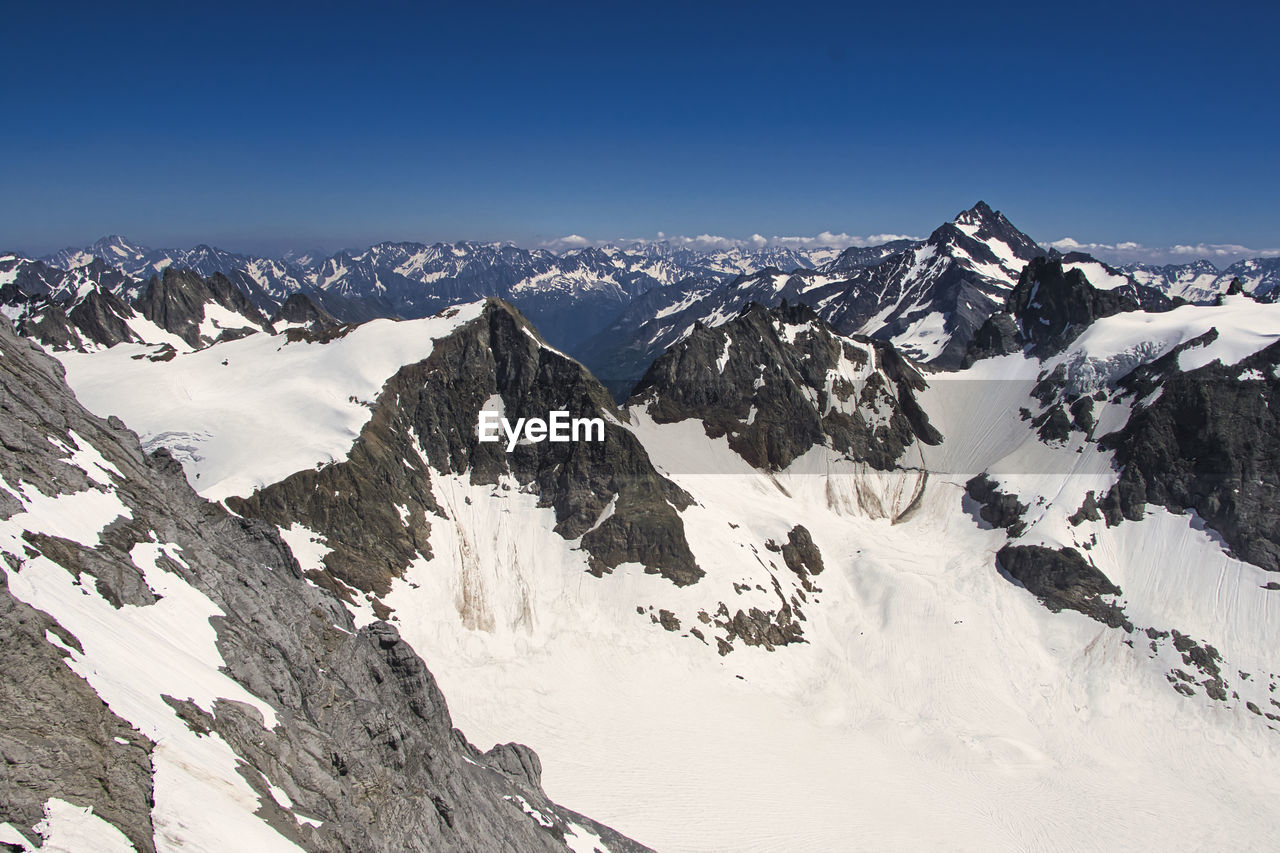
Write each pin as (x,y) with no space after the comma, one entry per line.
(936,705)
(67,828)
(249,412)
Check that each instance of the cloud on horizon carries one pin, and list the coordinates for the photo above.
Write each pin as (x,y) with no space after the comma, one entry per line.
(1127,252)
(713,242)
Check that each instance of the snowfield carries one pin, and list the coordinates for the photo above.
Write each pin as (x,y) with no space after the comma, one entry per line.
(935,704)
(250,412)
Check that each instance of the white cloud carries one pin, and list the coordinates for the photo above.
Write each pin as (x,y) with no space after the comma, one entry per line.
(570,241)
(1130,252)
(712,242)
(1211,250)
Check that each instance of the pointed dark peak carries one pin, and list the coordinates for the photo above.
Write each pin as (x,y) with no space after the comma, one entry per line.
(175,301)
(1047,309)
(300,308)
(983,225)
(764,381)
(980,212)
(496,355)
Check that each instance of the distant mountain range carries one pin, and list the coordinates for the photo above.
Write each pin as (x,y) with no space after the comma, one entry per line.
(615,308)
(965,521)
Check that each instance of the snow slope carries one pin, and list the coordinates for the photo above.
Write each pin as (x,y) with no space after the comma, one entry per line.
(249,412)
(176,639)
(934,704)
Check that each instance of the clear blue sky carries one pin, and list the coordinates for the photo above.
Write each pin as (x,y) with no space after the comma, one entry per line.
(273,125)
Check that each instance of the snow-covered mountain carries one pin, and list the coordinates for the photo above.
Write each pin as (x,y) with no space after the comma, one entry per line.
(1042,578)
(927,297)
(570,295)
(170,681)
(1201,282)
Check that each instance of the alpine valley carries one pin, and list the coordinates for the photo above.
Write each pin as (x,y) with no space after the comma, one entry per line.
(947,544)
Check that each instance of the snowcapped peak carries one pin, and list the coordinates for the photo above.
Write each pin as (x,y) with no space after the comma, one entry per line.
(113,246)
(979,213)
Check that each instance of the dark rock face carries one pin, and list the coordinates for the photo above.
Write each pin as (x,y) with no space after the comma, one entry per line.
(99,317)
(1054,307)
(765,381)
(175,302)
(1049,309)
(438,400)
(1063,580)
(999,335)
(364,741)
(1150,299)
(997,508)
(1208,442)
(800,553)
(301,308)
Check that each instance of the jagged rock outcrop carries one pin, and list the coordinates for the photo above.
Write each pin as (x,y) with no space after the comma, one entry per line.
(779,381)
(497,360)
(175,301)
(799,552)
(995,507)
(300,309)
(1207,441)
(98,317)
(1063,580)
(1048,308)
(362,744)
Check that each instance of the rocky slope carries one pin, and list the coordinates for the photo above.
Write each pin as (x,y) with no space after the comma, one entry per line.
(928,298)
(777,382)
(278,725)
(1124,411)
(377,507)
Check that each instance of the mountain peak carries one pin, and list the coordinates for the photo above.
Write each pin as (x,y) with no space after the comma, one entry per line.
(978,214)
(981,208)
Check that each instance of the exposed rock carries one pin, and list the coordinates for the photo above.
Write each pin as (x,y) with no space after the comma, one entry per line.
(301,309)
(1208,442)
(668,620)
(997,508)
(1088,511)
(175,301)
(1049,308)
(1063,580)
(58,738)
(998,335)
(436,403)
(777,382)
(801,554)
(363,742)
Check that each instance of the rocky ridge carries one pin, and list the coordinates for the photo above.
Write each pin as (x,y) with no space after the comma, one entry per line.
(339,736)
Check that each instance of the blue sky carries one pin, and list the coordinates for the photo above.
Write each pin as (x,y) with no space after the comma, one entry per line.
(275,125)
